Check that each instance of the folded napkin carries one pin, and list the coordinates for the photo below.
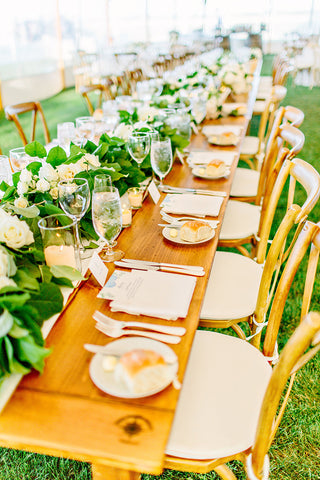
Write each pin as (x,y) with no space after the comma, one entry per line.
(190,204)
(201,157)
(151,293)
(210,130)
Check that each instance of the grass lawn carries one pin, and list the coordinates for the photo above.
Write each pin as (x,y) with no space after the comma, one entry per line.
(295,453)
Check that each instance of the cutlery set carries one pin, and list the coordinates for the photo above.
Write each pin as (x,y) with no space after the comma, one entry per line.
(195,191)
(164,267)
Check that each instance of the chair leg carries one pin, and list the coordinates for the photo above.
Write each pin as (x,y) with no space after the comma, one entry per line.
(224,472)
(236,328)
(102,472)
(243,251)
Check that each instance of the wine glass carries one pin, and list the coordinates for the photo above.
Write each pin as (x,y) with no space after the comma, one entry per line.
(139,146)
(101,180)
(161,157)
(74,199)
(66,133)
(85,129)
(107,219)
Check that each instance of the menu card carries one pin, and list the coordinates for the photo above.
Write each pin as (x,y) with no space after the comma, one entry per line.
(151,293)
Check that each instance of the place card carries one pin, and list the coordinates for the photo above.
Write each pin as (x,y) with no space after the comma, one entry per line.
(154,192)
(98,269)
(179,156)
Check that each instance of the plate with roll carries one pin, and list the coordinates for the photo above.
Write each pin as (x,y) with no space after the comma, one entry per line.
(191,232)
(134,367)
(211,171)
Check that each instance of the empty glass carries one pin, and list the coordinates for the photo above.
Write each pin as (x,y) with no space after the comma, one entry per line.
(138,146)
(19,159)
(101,180)
(107,219)
(66,133)
(161,157)
(85,128)
(74,199)
(5,170)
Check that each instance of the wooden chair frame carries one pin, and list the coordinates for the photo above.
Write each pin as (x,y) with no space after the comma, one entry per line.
(292,358)
(13,111)
(104,94)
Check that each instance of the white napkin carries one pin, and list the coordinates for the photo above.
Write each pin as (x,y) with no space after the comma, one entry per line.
(190,204)
(201,157)
(210,130)
(151,293)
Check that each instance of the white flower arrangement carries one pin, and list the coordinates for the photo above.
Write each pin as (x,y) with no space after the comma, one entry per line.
(123,131)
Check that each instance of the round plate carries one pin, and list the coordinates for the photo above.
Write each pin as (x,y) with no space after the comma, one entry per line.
(197,173)
(107,382)
(177,239)
(215,140)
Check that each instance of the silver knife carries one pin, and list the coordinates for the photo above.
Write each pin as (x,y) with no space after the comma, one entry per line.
(134,266)
(161,264)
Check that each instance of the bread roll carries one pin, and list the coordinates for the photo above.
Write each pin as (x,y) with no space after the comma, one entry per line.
(225,138)
(195,231)
(215,168)
(142,370)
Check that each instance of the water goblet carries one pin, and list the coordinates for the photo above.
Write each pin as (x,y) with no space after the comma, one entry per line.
(161,157)
(138,146)
(85,129)
(19,159)
(107,219)
(74,199)
(66,133)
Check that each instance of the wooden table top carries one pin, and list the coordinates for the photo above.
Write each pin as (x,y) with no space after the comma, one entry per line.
(61,412)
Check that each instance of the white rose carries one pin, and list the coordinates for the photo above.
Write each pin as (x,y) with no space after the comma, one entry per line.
(6,282)
(15,233)
(25,176)
(21,202)
(147,113)
(54,192)
(123,131)
(42,185)
(212,111)
(92,160)
(3,263)
(240,87)
(48,173)
(22,188)
(67,172)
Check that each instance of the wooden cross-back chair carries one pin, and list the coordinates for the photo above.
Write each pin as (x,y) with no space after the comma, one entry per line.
(101,89)
(232,293)
(267,81)
(230,405)
(245,184)
(242,220)
(12,113)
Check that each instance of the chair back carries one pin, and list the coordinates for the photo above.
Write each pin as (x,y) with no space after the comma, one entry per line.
(293,115)
(12,113)
(292,358)
(103,91)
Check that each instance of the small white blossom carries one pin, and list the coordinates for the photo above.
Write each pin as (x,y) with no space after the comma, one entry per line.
(22,188)
(147,113)
(92,160)
(68,171)
(3,263)
(6,282)
(123,131)
(54,192)
(42,185)
(25,176)
(48,173)
(21,202)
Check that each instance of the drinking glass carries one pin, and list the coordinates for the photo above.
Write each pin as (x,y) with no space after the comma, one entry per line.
(5,170)
(101,180)
(85,128)
(19,159)
(161,157)
(74,199)
(138,146)
(107,219)
(66,133)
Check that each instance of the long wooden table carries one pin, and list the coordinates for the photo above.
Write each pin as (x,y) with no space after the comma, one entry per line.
(61,412)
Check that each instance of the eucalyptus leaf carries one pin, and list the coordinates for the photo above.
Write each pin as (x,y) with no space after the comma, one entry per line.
(34,167)
(56,156)
(4,186)
(6,323)
(72,274)
(14,300)
(35,149)
(25,281)
(48,301)
(8,193)
(28,351)
(28,212)
(46,274)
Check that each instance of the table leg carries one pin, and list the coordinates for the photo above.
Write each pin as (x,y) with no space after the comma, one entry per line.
(102,472)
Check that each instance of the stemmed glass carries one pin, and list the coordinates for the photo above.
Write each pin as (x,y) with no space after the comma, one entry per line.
(107,219)
(139,146)
(74,199)
(161,157)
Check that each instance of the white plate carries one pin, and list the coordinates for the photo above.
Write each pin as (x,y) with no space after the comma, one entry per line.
(197,173)
(107,382)
(177,239)
(215,140)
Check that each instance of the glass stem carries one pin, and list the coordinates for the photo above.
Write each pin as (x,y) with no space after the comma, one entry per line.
(78,238)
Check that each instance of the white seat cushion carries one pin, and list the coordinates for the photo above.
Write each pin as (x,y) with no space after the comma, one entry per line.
(245,183)
(259,107)
(221,397)
(232,288)
(240,220)
(249,146)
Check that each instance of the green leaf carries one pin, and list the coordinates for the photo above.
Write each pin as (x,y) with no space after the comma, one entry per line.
(4,186)
(49,209)
(18,332)
(28,351)
(34,167)
(46,274)
(56,156)
(60,271)
(8,193)
(25,281)
(35,149)
(12,301)
(6,323)
(16,178)
(48,301)
(28,212)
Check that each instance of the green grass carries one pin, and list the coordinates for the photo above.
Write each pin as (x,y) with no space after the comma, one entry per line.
(295,453)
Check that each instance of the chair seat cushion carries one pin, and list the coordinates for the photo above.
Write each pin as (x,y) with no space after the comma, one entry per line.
(232,289)
(241,220)
(249,146)
(221,397)
(245,183)
(259,107)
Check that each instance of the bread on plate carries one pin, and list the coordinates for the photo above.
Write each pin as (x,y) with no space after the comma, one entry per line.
(142,370)
(195,231)
(225,138)
(215,168)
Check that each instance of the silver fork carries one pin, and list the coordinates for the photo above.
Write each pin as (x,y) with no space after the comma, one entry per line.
(116,332)
(110,322)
